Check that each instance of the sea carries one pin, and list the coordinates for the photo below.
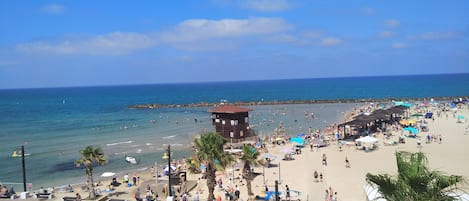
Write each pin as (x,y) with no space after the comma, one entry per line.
(53,124)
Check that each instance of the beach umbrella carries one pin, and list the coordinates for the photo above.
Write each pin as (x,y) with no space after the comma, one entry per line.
(108,174)
(166,169)
(297,140)
(403,122)
(417,115)
(287,150)
(411,129)
(460,116)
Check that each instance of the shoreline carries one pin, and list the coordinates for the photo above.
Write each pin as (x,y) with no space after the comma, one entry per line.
(289,102)
(331,180)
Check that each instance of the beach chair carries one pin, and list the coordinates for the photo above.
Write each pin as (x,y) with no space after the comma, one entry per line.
(68,198)
(44,195)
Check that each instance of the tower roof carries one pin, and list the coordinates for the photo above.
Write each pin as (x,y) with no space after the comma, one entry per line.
(230,109)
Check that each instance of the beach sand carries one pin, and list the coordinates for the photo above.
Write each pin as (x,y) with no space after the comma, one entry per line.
(450,157)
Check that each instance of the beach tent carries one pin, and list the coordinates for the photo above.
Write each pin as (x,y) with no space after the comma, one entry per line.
(297,140)
(372,193)
(367,139)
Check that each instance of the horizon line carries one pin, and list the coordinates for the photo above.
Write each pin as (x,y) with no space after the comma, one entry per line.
(228,81)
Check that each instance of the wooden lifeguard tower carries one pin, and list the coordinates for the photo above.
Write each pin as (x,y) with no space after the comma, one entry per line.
(232,122)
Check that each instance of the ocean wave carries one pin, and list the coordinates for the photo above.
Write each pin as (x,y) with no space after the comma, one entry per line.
(148,144)
(118,143)
(169,137)
(119,153)
(136,145)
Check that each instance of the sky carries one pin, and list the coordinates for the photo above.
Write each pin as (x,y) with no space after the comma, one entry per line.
(89,43)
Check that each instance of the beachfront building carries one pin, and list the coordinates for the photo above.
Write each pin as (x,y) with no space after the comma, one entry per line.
(232,122)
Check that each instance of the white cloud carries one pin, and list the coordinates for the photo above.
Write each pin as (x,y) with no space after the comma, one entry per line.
(392,23)
(194,34)
(52,8)
(437,35)
(266,5)
(331,41)
(112,43)
(282,38)
(203,29)
(387,34)
(398,45)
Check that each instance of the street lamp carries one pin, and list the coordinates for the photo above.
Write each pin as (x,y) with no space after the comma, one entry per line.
(167,156)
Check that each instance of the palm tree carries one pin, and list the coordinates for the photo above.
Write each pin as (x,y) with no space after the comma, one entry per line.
(249,159)
(415,181)
(209,151)
(90,156)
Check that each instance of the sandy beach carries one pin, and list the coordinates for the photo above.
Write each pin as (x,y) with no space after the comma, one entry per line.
(449,156)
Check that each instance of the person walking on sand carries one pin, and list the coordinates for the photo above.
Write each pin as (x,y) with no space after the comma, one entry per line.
(134,179)
(347,162)
(315,174)
(320,176)
(324,160)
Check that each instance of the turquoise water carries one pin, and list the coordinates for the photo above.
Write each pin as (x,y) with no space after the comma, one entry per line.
(54,124)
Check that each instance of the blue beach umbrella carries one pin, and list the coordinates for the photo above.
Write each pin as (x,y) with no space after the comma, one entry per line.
(460,116)
(297,140)
(411,129)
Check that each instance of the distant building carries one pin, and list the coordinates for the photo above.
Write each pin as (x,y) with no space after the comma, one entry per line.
(231,122)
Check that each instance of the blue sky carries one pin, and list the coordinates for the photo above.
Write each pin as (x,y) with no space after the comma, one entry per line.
(83,43)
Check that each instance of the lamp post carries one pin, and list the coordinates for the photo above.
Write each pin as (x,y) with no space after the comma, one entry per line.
(24,168)
(167,155)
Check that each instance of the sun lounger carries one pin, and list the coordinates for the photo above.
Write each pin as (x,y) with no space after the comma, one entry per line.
(44,195)
(69,198)
(8,196)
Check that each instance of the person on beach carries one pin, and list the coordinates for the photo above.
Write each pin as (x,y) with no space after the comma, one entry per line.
(315,174)
(78,197)
(137,195)
(326,197)
(148,187)
(126,178)
(347,162)
(324,160)
(287,191)
(320,177)
(134,179)
(334,197)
